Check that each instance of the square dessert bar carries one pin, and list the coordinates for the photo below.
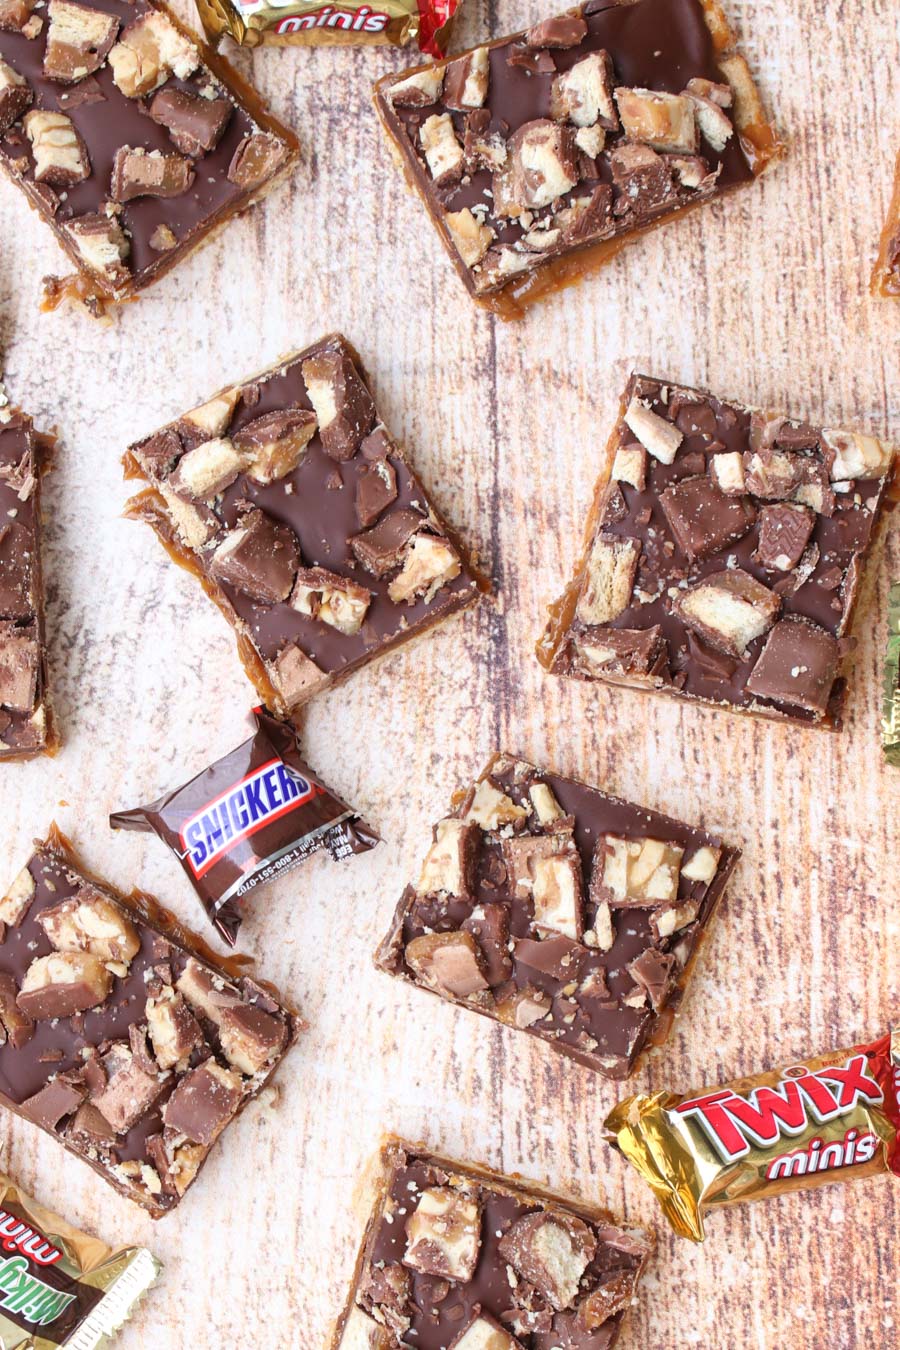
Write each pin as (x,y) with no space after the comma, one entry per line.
(288,498)
(459,1257)
(542,154)
(547,905)
(26,718)
(886,276)
(128,138)
(121,1034)
(723,556)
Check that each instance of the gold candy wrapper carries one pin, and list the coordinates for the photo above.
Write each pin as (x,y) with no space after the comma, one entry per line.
(890,720)
(829,1118)
(61,1289)
(286,23)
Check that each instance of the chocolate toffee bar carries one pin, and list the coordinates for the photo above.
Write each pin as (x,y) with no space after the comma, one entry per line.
(459,1257)
(128,138)
(121,1033)
(547,905)
(543,154)
(886,276)
(26,719)
(723,556)
(290,501)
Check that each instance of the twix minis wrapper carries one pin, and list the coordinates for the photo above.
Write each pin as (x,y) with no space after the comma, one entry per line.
(59,1286)
(250,817)
(304,23)
(831,1117)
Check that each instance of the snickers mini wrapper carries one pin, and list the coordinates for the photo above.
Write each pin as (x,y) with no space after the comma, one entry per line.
(253,815)
(831,1118)
(396,23)
(60,1287)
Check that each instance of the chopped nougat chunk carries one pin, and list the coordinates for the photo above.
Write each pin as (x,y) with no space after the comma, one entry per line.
(551,1250)
(630,466)
(729,609)
(608,579)
(174,1030)
(15,903)
(443,1234)
(702,865)
(447,867)
(663,121)
(636,872)
(63,984)
(130,1089)
(78,40)
(855,456)
(149,51)
(547,867)
(430,564)
(443,152)
(659,437)
(583,94)
(546,807)
(542,166)
(492,809)
(419,90)
(273,445)
(472,238)
(448,963)
(60,155)
(727,472)
(335,600)
(466,80)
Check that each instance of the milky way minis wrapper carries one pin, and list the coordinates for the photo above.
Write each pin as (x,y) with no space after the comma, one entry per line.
(307,23)
(890,719)
(250,817)
(832,1117)
(60,1287)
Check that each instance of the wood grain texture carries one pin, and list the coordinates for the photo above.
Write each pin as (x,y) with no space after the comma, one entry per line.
(762,297)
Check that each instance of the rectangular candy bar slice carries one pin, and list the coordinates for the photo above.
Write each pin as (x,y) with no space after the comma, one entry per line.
(128,138)
(540,155)
(886,275)
(547,905)
(459,1257)
(121,1033)
(304,522)
(26,720)
(723,556)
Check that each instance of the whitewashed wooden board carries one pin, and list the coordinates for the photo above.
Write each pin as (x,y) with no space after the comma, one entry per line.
(761,297)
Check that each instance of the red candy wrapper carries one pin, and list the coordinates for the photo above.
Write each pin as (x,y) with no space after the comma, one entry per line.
(830,1118)
(306,23)
(250,817)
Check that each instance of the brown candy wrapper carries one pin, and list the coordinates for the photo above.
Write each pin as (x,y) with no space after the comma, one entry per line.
(890,720)
(397,23)
(829,1118)
(59,1286)
(250,817)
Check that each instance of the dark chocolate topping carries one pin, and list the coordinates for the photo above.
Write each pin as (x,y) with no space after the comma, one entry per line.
(99,1052)
(318,501)
(25,725)
(654,45)
(435,1311)
(109,120)
(606,1035)
(807,546)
